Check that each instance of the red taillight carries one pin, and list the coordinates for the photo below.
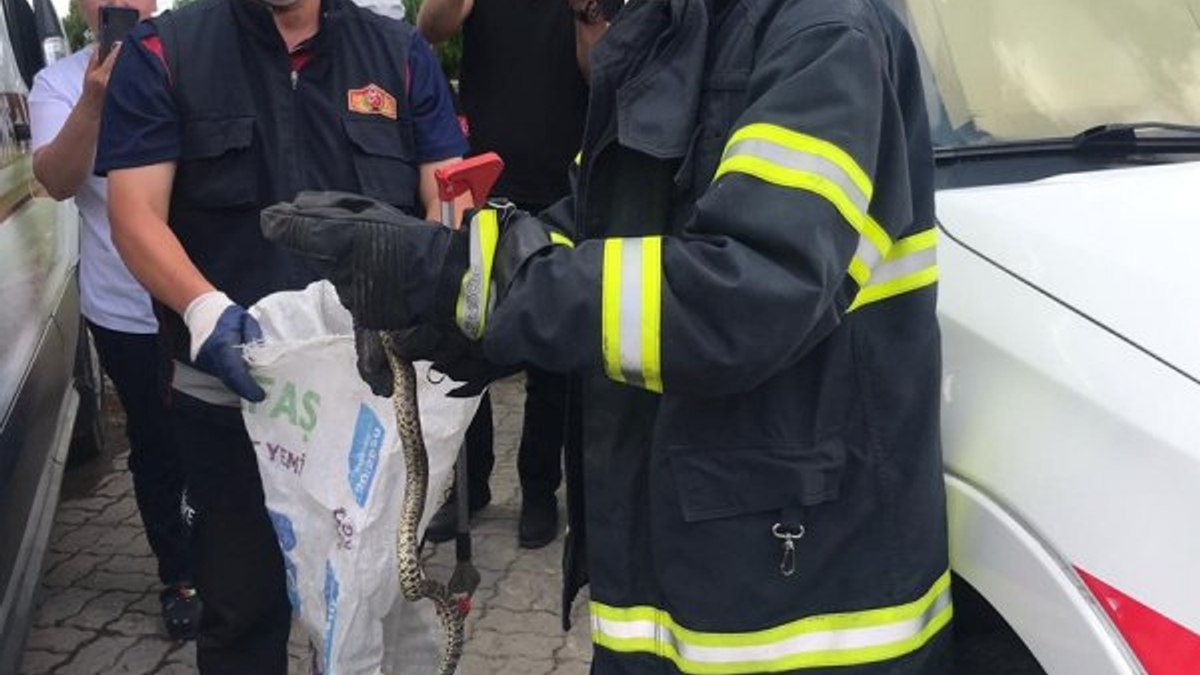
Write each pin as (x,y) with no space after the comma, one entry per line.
(1163,646)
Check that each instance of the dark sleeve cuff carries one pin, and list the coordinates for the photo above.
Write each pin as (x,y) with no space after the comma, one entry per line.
(441,151)
(116,163)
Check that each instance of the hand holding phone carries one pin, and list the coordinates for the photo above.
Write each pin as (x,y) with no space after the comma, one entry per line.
(115,25)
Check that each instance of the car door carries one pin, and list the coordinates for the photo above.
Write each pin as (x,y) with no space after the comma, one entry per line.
(39,329)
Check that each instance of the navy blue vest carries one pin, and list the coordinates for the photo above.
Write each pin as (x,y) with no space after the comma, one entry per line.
(255,132)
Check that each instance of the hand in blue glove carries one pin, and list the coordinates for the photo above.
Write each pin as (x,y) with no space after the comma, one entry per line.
(219,328)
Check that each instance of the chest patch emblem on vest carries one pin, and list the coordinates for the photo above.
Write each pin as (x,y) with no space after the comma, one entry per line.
(372,100)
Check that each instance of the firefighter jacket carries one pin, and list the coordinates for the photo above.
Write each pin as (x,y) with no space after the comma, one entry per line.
(750,300)
(255,132)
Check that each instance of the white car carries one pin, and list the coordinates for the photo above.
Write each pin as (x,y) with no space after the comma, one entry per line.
(1068,175)
(50,385)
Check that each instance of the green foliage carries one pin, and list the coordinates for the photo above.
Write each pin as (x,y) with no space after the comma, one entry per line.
(448,52)
(75,27)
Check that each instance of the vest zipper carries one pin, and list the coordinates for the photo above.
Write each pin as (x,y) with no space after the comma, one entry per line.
(295,79)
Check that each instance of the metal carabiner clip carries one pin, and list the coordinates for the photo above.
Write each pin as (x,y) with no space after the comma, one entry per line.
(429,376)
(787,565)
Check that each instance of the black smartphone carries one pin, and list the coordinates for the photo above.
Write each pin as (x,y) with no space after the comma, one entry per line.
(115,24)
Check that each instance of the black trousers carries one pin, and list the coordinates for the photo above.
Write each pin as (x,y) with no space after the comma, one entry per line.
(539,456)
(236,559)
(130,361)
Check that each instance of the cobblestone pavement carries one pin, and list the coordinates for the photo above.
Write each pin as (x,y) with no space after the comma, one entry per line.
(99,612)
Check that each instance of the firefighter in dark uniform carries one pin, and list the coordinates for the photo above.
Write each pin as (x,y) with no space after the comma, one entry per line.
(745,277)
(214,112)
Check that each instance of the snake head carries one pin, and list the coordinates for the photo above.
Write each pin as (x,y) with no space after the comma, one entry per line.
(463,603)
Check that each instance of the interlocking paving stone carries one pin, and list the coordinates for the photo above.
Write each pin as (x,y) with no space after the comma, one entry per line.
(71,569)
(37,662)
(59,639)
(63,604)
(102,610)
(97,656)
(143,658)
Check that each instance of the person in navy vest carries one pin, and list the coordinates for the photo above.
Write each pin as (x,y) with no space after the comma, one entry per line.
(214,112)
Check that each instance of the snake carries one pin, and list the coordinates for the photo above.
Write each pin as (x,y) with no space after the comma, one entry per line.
(452,608)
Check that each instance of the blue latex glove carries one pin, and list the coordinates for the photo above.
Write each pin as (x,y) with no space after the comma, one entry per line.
(219,328)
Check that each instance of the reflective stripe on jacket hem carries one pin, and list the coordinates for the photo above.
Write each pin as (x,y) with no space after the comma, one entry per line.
(842,639)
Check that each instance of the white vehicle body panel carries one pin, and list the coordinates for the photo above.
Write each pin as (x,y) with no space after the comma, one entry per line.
(1031,587)
(1071,398)
(1120,245)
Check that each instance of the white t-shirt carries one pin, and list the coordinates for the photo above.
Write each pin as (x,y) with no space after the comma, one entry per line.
(111,297)
(393,9)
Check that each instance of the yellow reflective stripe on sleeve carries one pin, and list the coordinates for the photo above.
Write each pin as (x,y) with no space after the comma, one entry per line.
(610,301)
(631,311)
(794,160)
(560,239)
(842,639)
(910,265)
(474,299)
(859,271)
(651,322)
(801,142)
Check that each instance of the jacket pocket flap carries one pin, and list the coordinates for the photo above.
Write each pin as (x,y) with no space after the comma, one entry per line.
(376,137)
(205,138)
(723,482)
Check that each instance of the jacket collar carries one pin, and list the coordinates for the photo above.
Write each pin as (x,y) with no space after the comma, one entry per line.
(654,54)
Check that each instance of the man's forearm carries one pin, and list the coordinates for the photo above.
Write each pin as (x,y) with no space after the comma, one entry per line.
(62,165)
(155,257)
(429,194)
(146,243)
(439,20)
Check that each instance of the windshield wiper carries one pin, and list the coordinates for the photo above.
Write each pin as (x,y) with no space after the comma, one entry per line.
(1130,136)
(1125,138)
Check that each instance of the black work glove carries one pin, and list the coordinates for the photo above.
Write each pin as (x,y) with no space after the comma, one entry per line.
(451,353)
(462,360)
(392,271)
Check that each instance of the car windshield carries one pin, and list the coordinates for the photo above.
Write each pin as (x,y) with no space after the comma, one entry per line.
(1004,71)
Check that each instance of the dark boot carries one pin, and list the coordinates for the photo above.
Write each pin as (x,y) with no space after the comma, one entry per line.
(181,611)
(539,522)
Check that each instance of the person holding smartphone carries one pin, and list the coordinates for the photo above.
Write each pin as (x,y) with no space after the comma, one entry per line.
(65,105)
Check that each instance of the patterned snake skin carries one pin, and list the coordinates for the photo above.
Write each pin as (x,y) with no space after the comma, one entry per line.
(414,584)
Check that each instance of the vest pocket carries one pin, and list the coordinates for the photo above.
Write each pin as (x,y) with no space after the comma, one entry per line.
(216,166)
(723,482)
(383,162)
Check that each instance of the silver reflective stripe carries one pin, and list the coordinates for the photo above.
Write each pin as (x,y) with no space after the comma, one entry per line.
(631,312)
(904,266)
(758,652)
(817,165)
(868,253)
(800,161)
